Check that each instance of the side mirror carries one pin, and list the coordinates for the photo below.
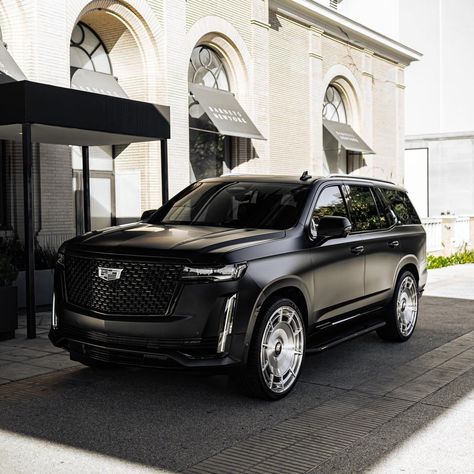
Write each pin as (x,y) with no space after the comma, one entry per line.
(331,227)
(147,214)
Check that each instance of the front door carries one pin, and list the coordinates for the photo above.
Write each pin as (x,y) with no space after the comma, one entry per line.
(338,263)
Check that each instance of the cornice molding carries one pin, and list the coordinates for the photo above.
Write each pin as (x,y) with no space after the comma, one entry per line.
(335,25)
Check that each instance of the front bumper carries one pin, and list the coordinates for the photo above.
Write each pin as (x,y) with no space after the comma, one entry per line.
(85,345)
(187,338)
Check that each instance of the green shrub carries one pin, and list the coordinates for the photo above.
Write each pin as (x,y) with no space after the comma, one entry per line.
(11,247)
(463,256)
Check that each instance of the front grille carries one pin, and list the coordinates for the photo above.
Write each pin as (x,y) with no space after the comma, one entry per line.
(144,288)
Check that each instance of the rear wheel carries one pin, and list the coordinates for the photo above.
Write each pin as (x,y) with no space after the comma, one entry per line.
(402,312)
(276,352)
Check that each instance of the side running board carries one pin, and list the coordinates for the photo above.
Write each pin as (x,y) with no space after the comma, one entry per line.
(351,333)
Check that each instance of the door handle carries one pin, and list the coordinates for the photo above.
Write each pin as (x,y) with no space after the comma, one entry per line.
(358,250)
(394,243)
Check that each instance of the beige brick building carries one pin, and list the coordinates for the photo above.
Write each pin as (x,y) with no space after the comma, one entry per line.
(288,62)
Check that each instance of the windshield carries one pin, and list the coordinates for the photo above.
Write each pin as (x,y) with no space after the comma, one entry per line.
(235,204)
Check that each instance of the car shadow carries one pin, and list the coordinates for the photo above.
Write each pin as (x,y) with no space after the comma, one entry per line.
(172,420)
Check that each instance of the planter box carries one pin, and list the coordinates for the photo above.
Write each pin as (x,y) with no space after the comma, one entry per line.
(9,312)
(44,280)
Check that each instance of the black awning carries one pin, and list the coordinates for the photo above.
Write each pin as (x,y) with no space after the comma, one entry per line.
(34,112)
(97,82)
(73,117)
(225,112)
(9,70)
(347,137)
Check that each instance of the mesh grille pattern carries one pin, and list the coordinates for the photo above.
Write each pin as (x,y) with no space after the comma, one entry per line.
(144,288)
(208,344)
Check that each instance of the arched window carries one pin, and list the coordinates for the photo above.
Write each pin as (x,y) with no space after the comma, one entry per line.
(206,68)
(87,50)
(209,151)
(333,105)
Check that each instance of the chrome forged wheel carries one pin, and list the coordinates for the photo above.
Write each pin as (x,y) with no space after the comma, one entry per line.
(402,312)
(407,305)
(282,349)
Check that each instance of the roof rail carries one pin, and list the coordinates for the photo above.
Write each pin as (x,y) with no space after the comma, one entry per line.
(346,176)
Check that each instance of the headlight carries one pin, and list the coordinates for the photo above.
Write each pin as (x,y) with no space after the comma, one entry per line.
(215,273)
(54,316)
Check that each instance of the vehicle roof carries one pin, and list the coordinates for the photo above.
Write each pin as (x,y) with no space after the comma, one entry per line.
(266,178)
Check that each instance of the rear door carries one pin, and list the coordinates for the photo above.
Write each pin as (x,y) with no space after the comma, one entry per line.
(375,224)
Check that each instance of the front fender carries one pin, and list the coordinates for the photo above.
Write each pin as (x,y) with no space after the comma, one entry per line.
(279,284)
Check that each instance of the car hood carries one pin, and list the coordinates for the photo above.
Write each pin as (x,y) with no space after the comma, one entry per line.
(171,240)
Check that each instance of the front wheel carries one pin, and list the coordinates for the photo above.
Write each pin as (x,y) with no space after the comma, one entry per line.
(402,312)
(276,352)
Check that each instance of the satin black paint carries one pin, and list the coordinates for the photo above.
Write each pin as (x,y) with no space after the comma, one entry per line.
(330,279)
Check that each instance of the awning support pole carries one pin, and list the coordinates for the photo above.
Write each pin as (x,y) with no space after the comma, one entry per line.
(164,171)
(29,231)
(86,188)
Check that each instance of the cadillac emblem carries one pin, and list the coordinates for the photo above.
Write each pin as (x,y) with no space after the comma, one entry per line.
(110,274)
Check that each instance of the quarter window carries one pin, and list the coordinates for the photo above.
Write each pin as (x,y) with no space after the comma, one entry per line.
(363,209)
(401,206)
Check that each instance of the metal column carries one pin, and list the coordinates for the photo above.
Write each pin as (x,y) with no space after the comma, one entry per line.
(164,171)
(29,231)
(86,190)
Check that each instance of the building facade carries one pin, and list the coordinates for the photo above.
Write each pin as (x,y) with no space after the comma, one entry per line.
(307,88)
(439,119)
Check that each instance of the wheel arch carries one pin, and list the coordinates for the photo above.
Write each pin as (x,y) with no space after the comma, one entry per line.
(291,288)
(410,263)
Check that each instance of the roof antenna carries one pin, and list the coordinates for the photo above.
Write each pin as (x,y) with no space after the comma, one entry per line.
(305,176)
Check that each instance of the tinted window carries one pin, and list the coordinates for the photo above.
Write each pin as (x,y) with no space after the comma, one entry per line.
(235,204)
(401,206)
(387,217)
(330,203)
(363,210)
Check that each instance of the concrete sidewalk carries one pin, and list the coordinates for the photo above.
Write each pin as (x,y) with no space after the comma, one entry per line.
(456,281)
(21,358)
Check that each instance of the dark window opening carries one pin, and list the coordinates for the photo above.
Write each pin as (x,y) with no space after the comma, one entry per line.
(401,206)
(330,203)
(387,217)
(210,154)
(364,213)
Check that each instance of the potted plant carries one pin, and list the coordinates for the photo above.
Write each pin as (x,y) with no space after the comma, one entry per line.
(8,298)
(44,272)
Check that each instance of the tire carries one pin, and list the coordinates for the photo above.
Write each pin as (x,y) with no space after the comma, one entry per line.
(402,312)
(276,352)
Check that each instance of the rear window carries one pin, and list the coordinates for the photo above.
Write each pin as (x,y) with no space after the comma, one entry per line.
(401,206)
(363,210)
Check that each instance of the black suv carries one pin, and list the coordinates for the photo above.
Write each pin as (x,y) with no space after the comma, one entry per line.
(244,272)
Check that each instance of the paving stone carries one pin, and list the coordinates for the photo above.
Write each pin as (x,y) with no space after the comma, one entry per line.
(18,353)
(18,371)
(312,437)
(55,361)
